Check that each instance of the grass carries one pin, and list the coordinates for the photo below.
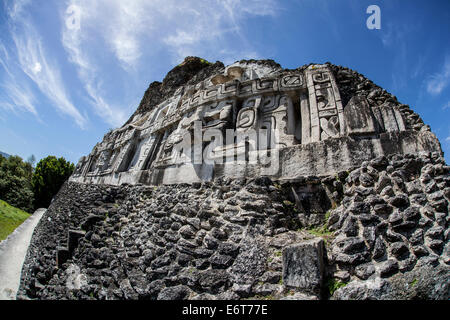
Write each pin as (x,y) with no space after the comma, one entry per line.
(334,284)
(10,219)
(321,231)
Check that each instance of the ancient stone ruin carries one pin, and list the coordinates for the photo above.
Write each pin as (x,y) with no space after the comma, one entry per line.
(252,181)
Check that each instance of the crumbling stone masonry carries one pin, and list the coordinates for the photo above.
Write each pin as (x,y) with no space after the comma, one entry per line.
(357,208)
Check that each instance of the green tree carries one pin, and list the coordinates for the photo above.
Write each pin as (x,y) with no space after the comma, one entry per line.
(49,175)
(15,182)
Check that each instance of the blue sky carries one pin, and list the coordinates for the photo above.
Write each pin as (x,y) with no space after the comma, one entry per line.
(70,70)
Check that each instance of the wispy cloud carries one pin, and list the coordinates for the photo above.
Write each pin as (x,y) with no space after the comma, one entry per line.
(73,39)
(19,97)
(100,35)
(132,30)
(446,106)
(45,74)
(31,59)
(128,27)
(14,8)
(15,97)
(437,82)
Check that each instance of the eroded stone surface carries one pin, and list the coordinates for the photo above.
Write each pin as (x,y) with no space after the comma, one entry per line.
(303,265)
(356,168)
(302,109)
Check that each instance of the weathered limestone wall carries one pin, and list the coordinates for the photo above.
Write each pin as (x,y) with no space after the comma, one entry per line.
(356,194)
(251,238)
(310,130)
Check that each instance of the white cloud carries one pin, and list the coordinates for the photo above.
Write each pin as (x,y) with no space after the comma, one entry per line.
(437,82)
(15,97)
(72,39)
(20,96)
(446,106)
(134,30)
(45,74)
(36,68)
(130,27)
(447,139)
(14,8)
(27,60)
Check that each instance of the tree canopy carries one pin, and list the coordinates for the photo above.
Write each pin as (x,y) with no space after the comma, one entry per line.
(49,175)
(15,182)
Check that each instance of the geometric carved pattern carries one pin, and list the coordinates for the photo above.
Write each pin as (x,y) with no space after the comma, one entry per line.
(300,107)
(326,110)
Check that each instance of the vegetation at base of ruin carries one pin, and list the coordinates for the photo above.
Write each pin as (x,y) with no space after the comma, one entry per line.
(327,216)
(10,218)
(48,177)
(413,283)
(321,232)
(333,284)
(15,182)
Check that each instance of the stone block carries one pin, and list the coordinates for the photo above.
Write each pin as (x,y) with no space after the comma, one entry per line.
(303,265)
(358,117)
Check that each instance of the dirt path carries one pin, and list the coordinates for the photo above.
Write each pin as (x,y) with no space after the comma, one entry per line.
(12,254)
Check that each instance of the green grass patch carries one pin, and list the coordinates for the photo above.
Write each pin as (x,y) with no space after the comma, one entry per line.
(320,232)
(10,219)
(334,284)
(327,216)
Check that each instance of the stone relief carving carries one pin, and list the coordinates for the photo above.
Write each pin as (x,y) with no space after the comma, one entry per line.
(300,107)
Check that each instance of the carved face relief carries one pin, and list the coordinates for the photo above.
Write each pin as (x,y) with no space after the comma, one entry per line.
(330,127)
(246,118)
(269,104)
(218,115)
(247,115)
(321,77)
(103,159)
(187,122)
